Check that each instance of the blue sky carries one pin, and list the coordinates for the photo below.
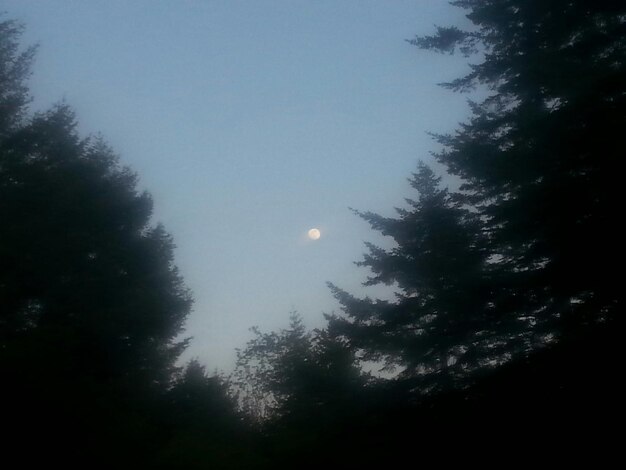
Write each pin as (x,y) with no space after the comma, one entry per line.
(251,122)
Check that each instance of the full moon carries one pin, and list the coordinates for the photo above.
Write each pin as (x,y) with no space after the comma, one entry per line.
(314,234)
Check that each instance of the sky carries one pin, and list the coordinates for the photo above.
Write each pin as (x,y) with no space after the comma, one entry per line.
(251,122)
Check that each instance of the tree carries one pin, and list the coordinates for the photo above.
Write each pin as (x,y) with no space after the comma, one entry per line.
(304,392)
(517,257)
(14,70)
(79,254)
(91,304)
(295,375)
(437,329)
(539,157)
(199,395)
(204,428)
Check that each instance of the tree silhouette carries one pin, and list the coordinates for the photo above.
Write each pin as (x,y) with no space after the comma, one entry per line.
(91,304)
(516,258)
(204,429)
(80,255)
(539,156)
(14,70)
(293,373)
(303,391)
(437,329)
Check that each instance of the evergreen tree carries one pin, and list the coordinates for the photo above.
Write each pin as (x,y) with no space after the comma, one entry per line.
(438,328)
(204,428)
(539,157)
(521,255)
(303,391)
(295,376)
(200,400)
(80,258)
(91,303)
(14,70)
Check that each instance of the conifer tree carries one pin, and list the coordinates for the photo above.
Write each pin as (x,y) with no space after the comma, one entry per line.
(525,252)
(91,303)
(437,328)
(296,376)
(539,157)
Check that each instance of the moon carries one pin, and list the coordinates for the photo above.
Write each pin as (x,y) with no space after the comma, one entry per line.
(314,234)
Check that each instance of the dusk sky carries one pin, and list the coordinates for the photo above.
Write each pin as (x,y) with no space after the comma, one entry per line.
(251,122)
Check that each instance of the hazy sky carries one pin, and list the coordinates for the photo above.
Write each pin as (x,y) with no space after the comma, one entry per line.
(251,122)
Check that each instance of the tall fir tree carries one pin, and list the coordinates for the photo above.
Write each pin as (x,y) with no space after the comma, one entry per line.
(524,253)
(438,327)
(540,156)
(91,303)
(14,71)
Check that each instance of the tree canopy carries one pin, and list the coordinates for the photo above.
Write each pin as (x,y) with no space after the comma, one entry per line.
(437,325)
(539,156)
(293,374)
(91,303)
(507,298)
(520,256)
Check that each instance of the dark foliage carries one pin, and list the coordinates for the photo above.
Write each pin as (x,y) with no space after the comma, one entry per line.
(504,331)
(287,377)
(202,428)
(524,254)
(91,304)
(539,157)
(438,327)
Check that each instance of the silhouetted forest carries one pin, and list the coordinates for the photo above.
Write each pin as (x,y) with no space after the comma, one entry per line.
(502,341)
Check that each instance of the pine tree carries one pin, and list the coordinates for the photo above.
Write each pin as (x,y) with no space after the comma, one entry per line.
(304,392)
(438,327)
(80,257)
(91,303)
(539,157)
(14,71)
(296,376)
(525,252)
